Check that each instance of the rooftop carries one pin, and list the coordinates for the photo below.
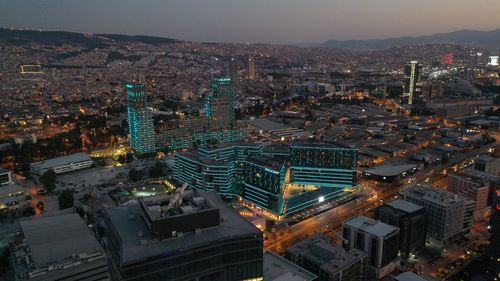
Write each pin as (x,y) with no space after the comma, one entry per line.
(277,268)
(371,226)
(52,239)
(64,160)
(267,125)
(138,243)
(438,196)
(404,206)
(410,276)
(390,170)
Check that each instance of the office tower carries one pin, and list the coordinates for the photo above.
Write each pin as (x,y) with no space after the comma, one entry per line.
(378,240)
(234,168)
(448,59)
(232,69)
(493,60)
(220,105)
(58,247)
(412,83)
(263,183)
(447,214)
(140,120)
(251,69)
(410,219)
(187,235)
(323,165)
(475,60)
(476,188)
(330,262)
(216,125)
(487,164)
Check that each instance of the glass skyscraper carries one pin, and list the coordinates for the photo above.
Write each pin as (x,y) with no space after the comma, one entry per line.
(140,120)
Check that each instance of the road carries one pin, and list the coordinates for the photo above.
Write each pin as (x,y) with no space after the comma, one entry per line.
(279,240)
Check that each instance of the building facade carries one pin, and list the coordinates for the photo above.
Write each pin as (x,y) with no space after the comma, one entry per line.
(140,119)
(447,214)
(412,83)
(62,164)
(189,235)
(410,219)
(378,240)
(330,262)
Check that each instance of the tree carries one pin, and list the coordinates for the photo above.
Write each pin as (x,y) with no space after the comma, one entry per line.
(66,199)
(49,180)
(134,175)
(157,170)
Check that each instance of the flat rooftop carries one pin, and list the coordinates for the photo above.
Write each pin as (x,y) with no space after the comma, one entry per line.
(410,276)
(64,160)
(267,125)
(53,239)
(277,268)
(438,196)
(128,223)
(404,206)
(371,226)
(159,206)
(196,156)
(390,170)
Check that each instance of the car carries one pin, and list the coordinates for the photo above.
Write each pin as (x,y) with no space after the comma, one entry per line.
(42,191)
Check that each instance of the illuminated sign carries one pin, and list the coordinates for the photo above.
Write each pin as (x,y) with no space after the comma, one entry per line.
(493,61)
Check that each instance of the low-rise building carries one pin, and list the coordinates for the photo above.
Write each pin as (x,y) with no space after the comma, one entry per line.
(330,262)
(62,164)
(58,247)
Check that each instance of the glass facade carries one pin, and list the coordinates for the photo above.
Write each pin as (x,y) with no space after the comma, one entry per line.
(140,121)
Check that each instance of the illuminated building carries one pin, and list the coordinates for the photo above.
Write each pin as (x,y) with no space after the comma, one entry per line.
(251,69)
(140,120)
(493,61)
(281,184)
(188,235)
(475,60)
(493,250)
(217,124)
(263,183)
(448,59)
(378,240)
(412,83)
(63,164)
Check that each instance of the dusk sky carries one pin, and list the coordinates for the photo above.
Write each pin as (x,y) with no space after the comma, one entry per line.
(268,21)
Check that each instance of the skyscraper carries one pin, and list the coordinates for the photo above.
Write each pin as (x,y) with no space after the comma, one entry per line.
(448,59)
(232,69)
(251,69)
(219,106)
(412,83)
(140,120)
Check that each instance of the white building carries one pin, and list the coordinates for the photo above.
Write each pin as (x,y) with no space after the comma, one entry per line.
(378,240)
(62,164)
(447,213)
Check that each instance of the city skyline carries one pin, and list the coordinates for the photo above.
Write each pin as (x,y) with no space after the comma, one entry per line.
(255,21)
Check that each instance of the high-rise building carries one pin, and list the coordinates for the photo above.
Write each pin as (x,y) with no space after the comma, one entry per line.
(475,60)
(140,120)
(448,214)
(412,83)
(277,268)
(487,164)
(448,59)
(493,250)
(251,68)
(432,89)
(232,69)
(217,124)
(59,247)
(5,177)
(410,219)
(330,262)
(473,188)
(378,240)
(234,168)
(188,235)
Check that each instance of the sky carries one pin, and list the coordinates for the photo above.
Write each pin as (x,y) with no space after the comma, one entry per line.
(254,21)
